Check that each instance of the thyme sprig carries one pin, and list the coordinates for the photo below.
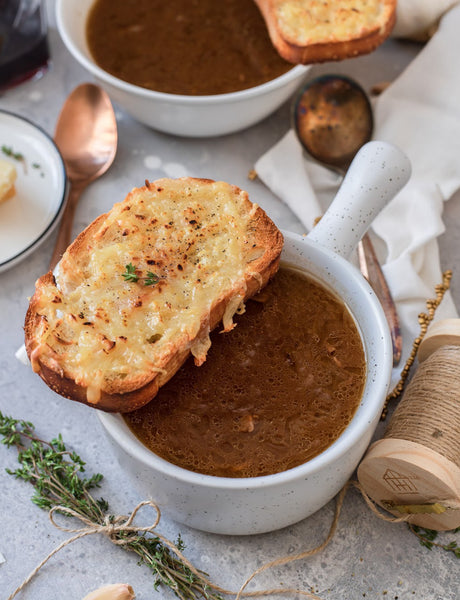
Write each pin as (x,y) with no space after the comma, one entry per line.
(8,151)
(131,274)
(427,537)
(56,474)
(11,153)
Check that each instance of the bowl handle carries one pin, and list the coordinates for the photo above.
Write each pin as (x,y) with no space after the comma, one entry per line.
(377,173)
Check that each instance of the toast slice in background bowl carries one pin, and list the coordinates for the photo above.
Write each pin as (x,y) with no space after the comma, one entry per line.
(314,31)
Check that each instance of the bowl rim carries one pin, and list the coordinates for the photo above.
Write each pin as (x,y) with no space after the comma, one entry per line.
(366,413)
(62,5)
(53,156)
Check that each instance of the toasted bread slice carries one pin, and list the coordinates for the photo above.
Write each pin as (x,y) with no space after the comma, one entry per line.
(143,285)
(312,31)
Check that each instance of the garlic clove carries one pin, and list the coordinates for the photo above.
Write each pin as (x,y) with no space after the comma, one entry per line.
(114,591)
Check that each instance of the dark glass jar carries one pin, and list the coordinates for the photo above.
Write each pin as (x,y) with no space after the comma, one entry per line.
(24,49)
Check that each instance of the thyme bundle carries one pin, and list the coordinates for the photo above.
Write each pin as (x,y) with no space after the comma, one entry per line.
(56,474)
(59,486)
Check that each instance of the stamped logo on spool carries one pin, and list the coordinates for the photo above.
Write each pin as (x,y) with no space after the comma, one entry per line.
(399,482)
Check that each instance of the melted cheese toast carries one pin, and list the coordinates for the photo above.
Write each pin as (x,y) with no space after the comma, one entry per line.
(311,31)
(143,285)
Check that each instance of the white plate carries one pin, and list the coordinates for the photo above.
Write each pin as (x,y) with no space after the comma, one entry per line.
(41,185)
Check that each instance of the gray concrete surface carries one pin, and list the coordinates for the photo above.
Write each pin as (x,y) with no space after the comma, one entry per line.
(367,558)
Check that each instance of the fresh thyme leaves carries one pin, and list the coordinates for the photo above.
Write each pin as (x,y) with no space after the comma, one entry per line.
(52,470)
(131,274)
(427,537)
(55,473)
(151,278)
(8,151)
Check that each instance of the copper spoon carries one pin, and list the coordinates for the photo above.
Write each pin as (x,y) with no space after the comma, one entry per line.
(332,117)
(86,135)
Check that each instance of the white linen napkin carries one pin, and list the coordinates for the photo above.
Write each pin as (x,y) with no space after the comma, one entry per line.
(418,19)
(420,113)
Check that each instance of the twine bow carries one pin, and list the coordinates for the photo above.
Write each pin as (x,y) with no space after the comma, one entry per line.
(121,531)
(113,527)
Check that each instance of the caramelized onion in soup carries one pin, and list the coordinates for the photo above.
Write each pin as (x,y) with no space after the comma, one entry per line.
(190,47)
(273,393)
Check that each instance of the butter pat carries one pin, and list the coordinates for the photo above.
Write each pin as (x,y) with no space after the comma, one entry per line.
(7,180)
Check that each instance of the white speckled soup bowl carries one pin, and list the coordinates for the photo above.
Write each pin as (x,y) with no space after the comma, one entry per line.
(191,116)
(242,506)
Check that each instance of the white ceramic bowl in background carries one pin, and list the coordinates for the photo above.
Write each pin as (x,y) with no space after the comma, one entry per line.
(255,505)
(193,116)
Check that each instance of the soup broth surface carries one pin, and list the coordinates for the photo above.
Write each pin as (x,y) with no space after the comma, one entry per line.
(272,394)
(191,47)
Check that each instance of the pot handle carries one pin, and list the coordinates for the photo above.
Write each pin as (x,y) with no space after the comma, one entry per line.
(377,173)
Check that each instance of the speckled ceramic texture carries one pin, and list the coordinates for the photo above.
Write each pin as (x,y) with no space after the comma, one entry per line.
(192,116)
(261,504)
(377,173)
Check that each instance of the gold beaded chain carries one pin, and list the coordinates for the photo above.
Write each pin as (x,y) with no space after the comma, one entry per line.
(424,320)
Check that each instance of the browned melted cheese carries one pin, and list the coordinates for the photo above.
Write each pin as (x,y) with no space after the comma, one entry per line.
(320,21)
(273,395)
(99,329)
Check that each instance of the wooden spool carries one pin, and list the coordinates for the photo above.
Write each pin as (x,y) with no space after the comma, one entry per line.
(414,470)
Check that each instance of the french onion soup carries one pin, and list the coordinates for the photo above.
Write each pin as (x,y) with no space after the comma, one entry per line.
(190,47)
(274,393)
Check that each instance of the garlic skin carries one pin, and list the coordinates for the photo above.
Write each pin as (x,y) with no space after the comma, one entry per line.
(114,591)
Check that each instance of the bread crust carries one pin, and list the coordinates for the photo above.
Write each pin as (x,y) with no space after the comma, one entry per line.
(297,42)
(139,387)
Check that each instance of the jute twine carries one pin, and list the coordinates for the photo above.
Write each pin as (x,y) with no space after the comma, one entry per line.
(115,529)
(437,426)
(429,412)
